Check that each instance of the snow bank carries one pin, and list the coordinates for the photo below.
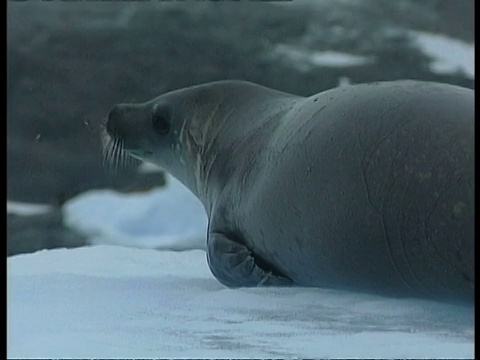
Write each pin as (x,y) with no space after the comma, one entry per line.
(449,55)
(171,218)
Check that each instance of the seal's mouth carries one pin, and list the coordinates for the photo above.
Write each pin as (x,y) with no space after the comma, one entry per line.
(115,156)
(139,154)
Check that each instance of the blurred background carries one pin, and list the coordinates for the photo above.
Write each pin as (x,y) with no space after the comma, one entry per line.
(68,63)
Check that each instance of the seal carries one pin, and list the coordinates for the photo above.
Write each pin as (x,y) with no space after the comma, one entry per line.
(365,187)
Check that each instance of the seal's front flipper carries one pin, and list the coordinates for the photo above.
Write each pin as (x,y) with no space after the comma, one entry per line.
(234,265)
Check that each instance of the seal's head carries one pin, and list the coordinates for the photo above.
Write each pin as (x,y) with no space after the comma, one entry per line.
(176,130)
(190,132)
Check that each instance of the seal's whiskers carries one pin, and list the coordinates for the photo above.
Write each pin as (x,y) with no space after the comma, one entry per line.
(114,155)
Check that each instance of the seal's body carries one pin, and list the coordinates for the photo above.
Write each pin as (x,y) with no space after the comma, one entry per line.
(367,187)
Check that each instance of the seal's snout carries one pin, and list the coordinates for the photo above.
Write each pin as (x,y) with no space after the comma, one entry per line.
(118,130)
(116,120)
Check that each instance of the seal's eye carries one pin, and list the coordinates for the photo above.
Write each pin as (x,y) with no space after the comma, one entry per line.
(160,122)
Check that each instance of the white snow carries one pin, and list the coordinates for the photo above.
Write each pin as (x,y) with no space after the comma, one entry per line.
(25,209)
(173,219)
(449,55)
(109,301)
(305,59)
(337,59)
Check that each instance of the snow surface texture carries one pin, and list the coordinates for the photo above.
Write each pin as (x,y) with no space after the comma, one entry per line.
(110,301)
